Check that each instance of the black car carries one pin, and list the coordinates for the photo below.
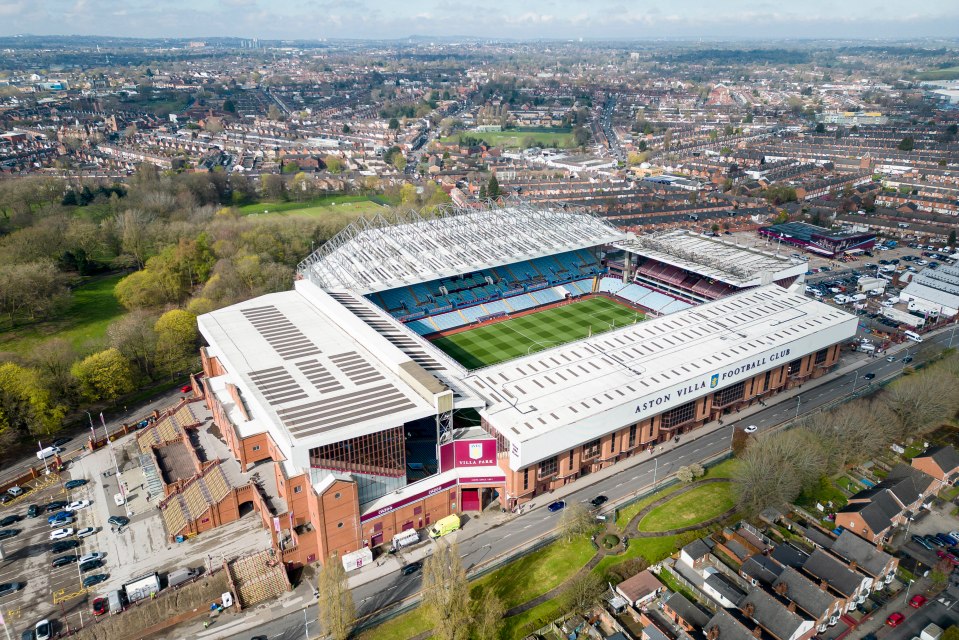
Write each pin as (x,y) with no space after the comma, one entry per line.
(119,521)
(90,565)
(10,587)
(6,522)
(8,533)
(412,567)
(73,484)
(64,545)
(869,376)
(63,561)
(933,540)
(59,442)
(33,510)
(56,505)
(599,501)
(27,635)
(90,581)
(907,360)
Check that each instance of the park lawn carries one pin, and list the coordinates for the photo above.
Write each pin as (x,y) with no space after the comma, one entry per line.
(516,138)
(702,503)
(724,469)
(354,204)
(84,324)
(653,549)
(949,73)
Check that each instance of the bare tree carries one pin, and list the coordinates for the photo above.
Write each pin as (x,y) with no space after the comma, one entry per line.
(920,402)
(446,596)
(337,613)
(488,616)
(135,337)
(576,521)
(581,591)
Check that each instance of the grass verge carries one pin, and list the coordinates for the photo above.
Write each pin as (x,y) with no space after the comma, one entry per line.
(700,504)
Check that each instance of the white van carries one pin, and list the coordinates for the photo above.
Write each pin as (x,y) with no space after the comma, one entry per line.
(840,299)
(48,452)
(867,348)
(912,335)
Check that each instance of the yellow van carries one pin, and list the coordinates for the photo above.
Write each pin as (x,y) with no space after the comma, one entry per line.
(444,526)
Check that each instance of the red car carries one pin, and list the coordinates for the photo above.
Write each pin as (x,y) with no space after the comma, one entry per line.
(187,388)
(895,619)
(100,606)
(917,601)
(948,556)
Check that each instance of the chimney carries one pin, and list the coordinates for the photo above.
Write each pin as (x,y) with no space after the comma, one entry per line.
(791,606)
(853,565)
(823,585)
(749,609)
(713,633)
(758,632)
(782,588)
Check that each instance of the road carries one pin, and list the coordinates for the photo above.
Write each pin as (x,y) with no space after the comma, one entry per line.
(387,592)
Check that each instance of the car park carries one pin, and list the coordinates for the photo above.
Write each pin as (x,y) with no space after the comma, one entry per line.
(74,484)
(559,505)
(8,533)
(62,561)
(95,579)
(76,505)
(64,545)
(59,534)
(86,531)
(43,630)
(412,567)
(895,619)
(119,521)
(10,587)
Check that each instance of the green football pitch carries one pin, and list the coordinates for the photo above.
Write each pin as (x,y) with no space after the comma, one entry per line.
(494,343)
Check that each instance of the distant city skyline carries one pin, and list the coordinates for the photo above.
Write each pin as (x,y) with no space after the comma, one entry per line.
(564,19)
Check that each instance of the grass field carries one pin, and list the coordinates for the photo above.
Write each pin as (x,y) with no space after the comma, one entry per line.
(84,324)
(518,138)
(948,73)
(702,503)
(356,205)
(510,339)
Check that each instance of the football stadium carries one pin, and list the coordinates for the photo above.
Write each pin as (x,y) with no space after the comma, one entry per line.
(429,364)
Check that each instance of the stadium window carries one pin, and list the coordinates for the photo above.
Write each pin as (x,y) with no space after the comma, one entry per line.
(336,496)
(821,356)
(548,467)
(570,460)
(766,382)
(632,436)
(679,415)
(591,449)
(727,396)
(525,479)
(339,525)
(612,446)
(794,367)
(298,489)
(256,447)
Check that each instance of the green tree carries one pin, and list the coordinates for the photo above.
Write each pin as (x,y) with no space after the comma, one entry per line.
(229,106)
(952,239)
(394,124)
(337,613)
(580,136)
(907,144)
(951,633)
(408,194)
(576,521)
(141,290)
(820,128)
(176,336)
(104,376)
(26,404)
(492,188)
(446,595)
(334,164)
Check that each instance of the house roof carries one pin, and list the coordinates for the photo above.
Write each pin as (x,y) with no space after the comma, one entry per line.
(907,483)
(688,611)
(788,555)
(823,566)
(640,586)
(945,457)
(878,512)
(724,587)
(729,627)
(696,549)
(762,568)
(852,548)
(771,614)
(807,595)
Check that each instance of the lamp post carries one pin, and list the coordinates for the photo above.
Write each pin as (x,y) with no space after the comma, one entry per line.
(46,470)
(798,402)
(855,381)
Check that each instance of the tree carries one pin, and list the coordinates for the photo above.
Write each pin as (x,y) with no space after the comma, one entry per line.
(408,194)
(394,124)
(52,359)
(141,290)
(274,113)
(951,633)
(346,128)
(907,144)
(952,239)
(133,335)
(488,616)
(580,136)
(176,335)
(492,188)
(820,128)
(777,467)
(337,613)
(334,164)
(576,521)
(34,290)
(921,402)
(26,405)
(581,592)
(229,106)
(446,595)
(104,376)
(273,187)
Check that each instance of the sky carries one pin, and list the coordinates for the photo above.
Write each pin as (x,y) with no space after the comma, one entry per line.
(519,19)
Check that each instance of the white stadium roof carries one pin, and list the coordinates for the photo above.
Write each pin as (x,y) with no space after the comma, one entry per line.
(384,253)
(556,399)
(713,257)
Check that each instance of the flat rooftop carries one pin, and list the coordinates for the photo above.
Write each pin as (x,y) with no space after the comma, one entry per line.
(559,398)
(806,232)
(712,257)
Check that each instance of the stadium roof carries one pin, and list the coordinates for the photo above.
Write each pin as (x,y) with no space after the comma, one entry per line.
(713,257)
(376,254)
(807,232)
(552,400)
(300,361)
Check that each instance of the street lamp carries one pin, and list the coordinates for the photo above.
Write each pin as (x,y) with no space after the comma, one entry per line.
(798,402)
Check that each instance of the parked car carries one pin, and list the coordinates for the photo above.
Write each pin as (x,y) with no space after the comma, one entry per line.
(948,556)
(953,540)
(90,557)
(922,542)
(76,505)
(86,531)
(64,545)
(895,619)
(90,565)
(187,388)
(917,601)
(60,534)
(934,541)
(95,579)
(599,501)
(43,630)
(559,505)
(12,519)
(10,587)
(34,510)
(16,491)
(59,515)
(62,522)
(944,539)
(56,505)
(8,533)
(74,484)
(412,567)
(27,634)
(62,561)
(100,606)
(119,521)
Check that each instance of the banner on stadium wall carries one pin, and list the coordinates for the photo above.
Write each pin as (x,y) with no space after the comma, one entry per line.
(468,453)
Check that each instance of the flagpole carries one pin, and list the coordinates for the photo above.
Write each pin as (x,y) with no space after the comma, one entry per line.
(116,467)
